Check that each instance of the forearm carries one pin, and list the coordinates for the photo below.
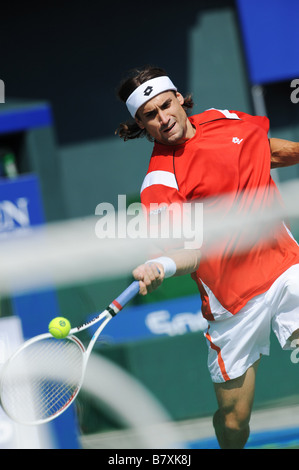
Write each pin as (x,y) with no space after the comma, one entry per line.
(187,261)
(177,263)
(283,153)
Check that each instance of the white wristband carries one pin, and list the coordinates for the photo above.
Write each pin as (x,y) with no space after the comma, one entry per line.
(168,264)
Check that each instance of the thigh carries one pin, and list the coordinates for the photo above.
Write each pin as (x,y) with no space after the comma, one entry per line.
(236,396)
(236,343)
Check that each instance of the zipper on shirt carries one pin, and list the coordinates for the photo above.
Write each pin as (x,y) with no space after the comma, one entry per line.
(173,165)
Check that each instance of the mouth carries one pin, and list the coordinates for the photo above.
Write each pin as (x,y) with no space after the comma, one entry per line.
(169,128)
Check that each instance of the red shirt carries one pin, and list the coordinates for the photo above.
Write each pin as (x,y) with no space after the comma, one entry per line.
(229,154)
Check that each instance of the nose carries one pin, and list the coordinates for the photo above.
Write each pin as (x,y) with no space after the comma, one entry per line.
(163,117)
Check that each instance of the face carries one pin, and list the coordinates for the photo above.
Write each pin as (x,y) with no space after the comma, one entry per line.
(165,120)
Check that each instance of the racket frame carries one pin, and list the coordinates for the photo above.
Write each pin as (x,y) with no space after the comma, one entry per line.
(113,309)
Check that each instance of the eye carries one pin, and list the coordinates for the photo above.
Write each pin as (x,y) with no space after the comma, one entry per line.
(166,104)
(150,114)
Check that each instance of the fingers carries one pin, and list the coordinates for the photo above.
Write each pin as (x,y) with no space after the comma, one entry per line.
(150,277)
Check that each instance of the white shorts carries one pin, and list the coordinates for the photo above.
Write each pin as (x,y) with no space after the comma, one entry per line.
(237,342)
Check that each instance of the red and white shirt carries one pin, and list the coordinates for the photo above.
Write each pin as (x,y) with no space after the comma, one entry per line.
(229,154)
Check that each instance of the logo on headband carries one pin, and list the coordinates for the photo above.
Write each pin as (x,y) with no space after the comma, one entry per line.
(148,91)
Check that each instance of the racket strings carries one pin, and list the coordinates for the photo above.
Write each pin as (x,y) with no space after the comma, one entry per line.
(42,379)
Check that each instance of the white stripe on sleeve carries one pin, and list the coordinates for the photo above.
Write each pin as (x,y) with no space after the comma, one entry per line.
(226,113)
(166,178)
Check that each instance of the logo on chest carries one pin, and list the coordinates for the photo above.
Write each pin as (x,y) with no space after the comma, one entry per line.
(236,140)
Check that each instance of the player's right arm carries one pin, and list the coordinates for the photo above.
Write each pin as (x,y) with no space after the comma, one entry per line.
(177,263)
(161,196)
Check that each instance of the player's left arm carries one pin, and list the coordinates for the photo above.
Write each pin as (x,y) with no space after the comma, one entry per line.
(283,153)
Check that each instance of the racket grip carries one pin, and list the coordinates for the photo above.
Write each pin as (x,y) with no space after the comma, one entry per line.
(127,295)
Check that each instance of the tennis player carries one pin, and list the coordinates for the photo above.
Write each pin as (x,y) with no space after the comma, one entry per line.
(244,294)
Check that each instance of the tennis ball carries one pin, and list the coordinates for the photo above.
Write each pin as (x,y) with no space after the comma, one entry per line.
(59,327)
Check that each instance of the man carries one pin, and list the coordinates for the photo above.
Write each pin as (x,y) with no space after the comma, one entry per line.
(207,157)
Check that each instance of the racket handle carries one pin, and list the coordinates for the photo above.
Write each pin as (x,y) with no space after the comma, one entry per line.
(127,295)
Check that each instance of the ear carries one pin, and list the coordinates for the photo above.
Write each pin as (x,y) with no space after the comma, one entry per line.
(180,98)
(139,123)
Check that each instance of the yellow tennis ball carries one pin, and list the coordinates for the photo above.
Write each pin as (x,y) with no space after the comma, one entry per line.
(59,327)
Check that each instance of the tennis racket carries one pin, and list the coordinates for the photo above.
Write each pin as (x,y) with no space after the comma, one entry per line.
(44,376)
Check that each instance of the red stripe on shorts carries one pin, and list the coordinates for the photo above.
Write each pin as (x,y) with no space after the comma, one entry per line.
(219,358)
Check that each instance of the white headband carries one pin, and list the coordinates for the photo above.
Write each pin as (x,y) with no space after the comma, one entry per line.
(147,91)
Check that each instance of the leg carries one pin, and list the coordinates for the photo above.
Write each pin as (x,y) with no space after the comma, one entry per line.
(235,400)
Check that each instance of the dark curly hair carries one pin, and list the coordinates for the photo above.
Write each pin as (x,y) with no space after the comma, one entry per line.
(130,129)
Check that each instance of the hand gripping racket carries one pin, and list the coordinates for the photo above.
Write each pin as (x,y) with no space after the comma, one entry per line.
(43,377)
